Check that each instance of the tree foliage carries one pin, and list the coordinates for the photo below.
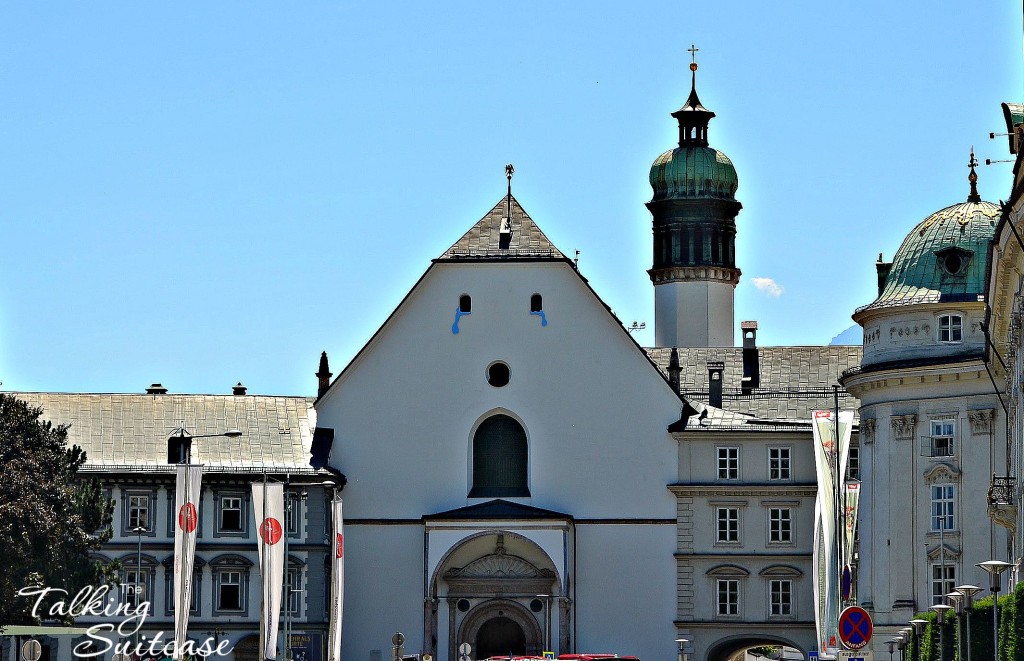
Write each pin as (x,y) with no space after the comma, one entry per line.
(51,521)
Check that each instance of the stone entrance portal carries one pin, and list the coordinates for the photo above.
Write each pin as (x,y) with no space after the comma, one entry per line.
(500,635)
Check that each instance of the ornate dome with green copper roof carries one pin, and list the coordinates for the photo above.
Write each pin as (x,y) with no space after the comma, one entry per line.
(693,172)
(945,257)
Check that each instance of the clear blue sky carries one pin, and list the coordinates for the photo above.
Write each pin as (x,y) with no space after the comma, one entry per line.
(205,193)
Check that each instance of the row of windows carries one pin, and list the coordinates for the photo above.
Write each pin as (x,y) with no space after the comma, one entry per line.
(466,303)
(780,463)
(229,590)
(232,513)
(780,525)
(780,597)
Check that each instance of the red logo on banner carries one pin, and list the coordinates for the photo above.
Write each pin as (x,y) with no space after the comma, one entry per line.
(271,531)
(340,549)
(188,518)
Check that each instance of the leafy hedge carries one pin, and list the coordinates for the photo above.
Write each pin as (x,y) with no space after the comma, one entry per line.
(1011,632)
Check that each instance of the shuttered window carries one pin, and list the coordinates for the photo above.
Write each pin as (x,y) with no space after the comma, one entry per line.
(499,459)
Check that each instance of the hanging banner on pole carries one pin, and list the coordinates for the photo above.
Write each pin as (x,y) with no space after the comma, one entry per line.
(186,506)
(268,504)
(337,583)
(852,504)
(831,451)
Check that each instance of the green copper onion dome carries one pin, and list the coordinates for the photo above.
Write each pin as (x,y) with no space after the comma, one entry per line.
(945,257)
(693,170)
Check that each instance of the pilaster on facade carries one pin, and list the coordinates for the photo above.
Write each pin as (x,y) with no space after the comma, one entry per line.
(867,430)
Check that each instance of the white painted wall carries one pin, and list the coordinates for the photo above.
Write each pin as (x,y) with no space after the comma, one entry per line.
(595,412)
(694,314)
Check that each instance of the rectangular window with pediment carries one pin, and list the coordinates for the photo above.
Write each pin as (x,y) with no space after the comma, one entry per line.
(943,431)
(728,524)
(728,596)
(943,582)
(780,593)
(780,525)
(943,501)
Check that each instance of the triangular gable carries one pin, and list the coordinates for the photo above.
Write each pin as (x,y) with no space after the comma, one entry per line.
(498,509)
(484,240)
(481,243)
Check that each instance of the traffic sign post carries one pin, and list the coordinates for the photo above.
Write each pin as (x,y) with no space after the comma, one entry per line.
(31,650)
(856,655)
(464,651)
(855,628)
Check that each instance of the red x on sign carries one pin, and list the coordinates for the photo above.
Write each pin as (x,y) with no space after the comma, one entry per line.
(855,627)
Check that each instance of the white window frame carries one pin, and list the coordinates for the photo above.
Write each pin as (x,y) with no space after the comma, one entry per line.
(780,597)
(225,503)
(137,578)
(730,589)
(943,585)
(728,462)
(780,525)
(951,328)
(780,464)
(140,509)
(222,580)
(943,433)
(943,507)
(727,525)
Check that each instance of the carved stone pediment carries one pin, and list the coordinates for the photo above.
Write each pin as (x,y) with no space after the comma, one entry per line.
(942,472)
(937,553)
(981,420)
(499,566)
(903,426)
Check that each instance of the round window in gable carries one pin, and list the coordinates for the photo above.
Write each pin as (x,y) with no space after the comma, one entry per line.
(498,374)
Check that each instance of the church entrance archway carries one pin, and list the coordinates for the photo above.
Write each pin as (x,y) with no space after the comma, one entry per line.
(500,636)
(499,626)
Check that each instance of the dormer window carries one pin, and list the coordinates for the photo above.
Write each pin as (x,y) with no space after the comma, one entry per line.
(951,328)
(953,261)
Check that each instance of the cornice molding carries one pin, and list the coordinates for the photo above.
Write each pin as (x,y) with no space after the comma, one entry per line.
(723,274)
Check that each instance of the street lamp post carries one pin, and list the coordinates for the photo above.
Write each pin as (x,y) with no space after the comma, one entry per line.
(681,642)
(903,637)
(995,569)
(891,644)
(138,530)
(941,610)
(918,625)
(956,600)
(968,591)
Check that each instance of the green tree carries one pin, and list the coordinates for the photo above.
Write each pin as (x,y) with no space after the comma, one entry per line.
(51,520)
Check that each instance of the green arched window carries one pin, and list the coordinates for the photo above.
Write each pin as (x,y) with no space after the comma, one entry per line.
(500,457)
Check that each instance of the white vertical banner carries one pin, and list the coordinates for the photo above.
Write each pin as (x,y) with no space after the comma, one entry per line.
(186,507)
(337,583)
(852,506)
(268,504)
(831,452)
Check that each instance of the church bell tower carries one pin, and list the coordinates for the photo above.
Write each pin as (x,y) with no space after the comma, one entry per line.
(694,215)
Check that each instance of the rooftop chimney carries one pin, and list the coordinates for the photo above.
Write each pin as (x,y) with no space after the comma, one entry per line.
(883,269)
(674,370)
(323,376)
(238,389)
(751,358)
(715,370)
(156,389)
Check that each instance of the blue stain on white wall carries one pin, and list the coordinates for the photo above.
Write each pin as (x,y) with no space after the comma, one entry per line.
(459,314)
(543,317)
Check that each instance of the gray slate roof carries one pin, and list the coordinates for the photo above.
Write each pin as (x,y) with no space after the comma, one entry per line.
(122,432)
(794,380)
(483,239)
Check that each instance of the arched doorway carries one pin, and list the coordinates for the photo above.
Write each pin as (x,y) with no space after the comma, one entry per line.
(500,636)
(499,626)
(765,647)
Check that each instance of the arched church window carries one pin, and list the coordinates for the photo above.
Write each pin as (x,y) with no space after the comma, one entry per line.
(465,304)
(500,455)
